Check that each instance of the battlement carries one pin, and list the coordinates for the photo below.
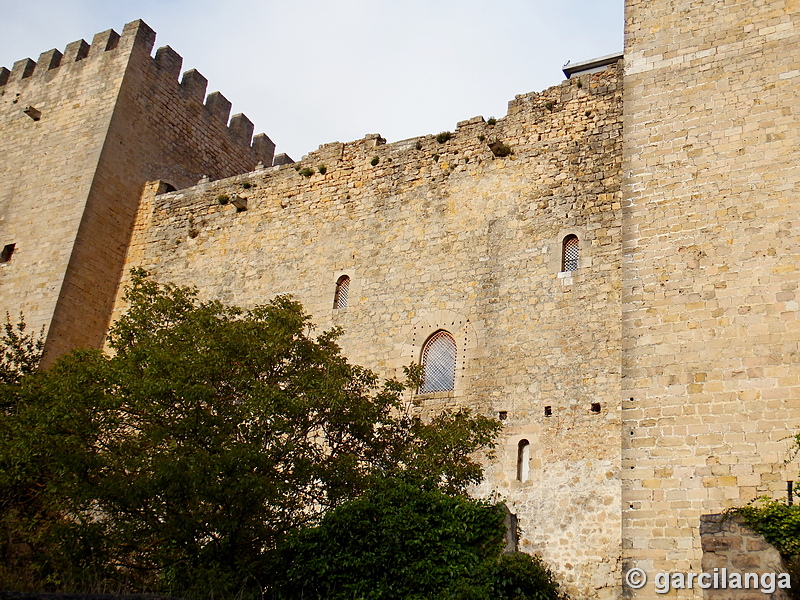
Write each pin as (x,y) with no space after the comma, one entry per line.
(136,35)
(138,38)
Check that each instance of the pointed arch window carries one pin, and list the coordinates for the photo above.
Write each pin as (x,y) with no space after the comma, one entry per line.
(342,289)
(438,363)
(570,254)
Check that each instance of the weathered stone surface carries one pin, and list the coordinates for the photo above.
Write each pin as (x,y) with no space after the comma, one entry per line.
(710,266)
(732,546)
(654,384)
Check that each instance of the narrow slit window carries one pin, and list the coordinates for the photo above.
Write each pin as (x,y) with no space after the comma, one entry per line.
(523,460)
(5,255)
(571,253)
(342,289)
(438,363)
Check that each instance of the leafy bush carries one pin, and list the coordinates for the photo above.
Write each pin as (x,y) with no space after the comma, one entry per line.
(374,161)
(443,137)
(521,576)
(223,199)
(779,523)
(405,541)
(306,172)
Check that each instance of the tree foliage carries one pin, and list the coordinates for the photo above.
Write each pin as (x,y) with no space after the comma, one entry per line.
(20,352)
(778,522)
(178,463)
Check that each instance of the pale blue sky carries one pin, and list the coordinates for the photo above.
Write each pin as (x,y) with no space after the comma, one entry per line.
(308,72)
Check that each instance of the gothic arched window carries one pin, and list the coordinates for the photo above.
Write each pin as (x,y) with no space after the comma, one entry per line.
(342,288)
(570,254)
(438,363)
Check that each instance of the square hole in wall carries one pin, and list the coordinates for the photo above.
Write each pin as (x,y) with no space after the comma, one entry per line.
(502,415)
(548,411)
(595,407)
(5,255)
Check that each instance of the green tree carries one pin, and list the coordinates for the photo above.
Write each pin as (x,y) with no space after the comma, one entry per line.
(178,463)
(20,352)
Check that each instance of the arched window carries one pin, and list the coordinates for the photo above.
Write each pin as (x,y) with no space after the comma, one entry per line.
(438,363)
(571,253)
(523,460)
(342,288)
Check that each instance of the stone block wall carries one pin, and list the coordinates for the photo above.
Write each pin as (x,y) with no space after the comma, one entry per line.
(110,118)
(710,328)
(447,235)
(48,165)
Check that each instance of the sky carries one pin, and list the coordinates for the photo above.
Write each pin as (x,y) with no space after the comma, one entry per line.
(309,72)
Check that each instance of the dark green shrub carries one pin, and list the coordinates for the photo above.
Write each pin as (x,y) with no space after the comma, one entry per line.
(306,172)
(492,121)
(443,137)
(397,541)
(374,161)
(519,576)
(223,199)
(322,169)
(776,521)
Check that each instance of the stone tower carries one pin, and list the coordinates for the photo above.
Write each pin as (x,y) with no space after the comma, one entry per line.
(711,268)
(80,133)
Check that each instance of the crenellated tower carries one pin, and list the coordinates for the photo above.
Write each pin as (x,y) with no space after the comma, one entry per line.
(711,337)
(81,132)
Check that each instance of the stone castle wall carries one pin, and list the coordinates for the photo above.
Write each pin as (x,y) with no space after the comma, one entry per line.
(449,236)
(711,338)
(105,118)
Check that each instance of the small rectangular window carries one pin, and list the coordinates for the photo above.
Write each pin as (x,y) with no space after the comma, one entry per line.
(5,255)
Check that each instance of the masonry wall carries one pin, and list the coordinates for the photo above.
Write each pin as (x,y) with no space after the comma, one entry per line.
(710,276)
(48,166)
(112,118)
(450,236)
